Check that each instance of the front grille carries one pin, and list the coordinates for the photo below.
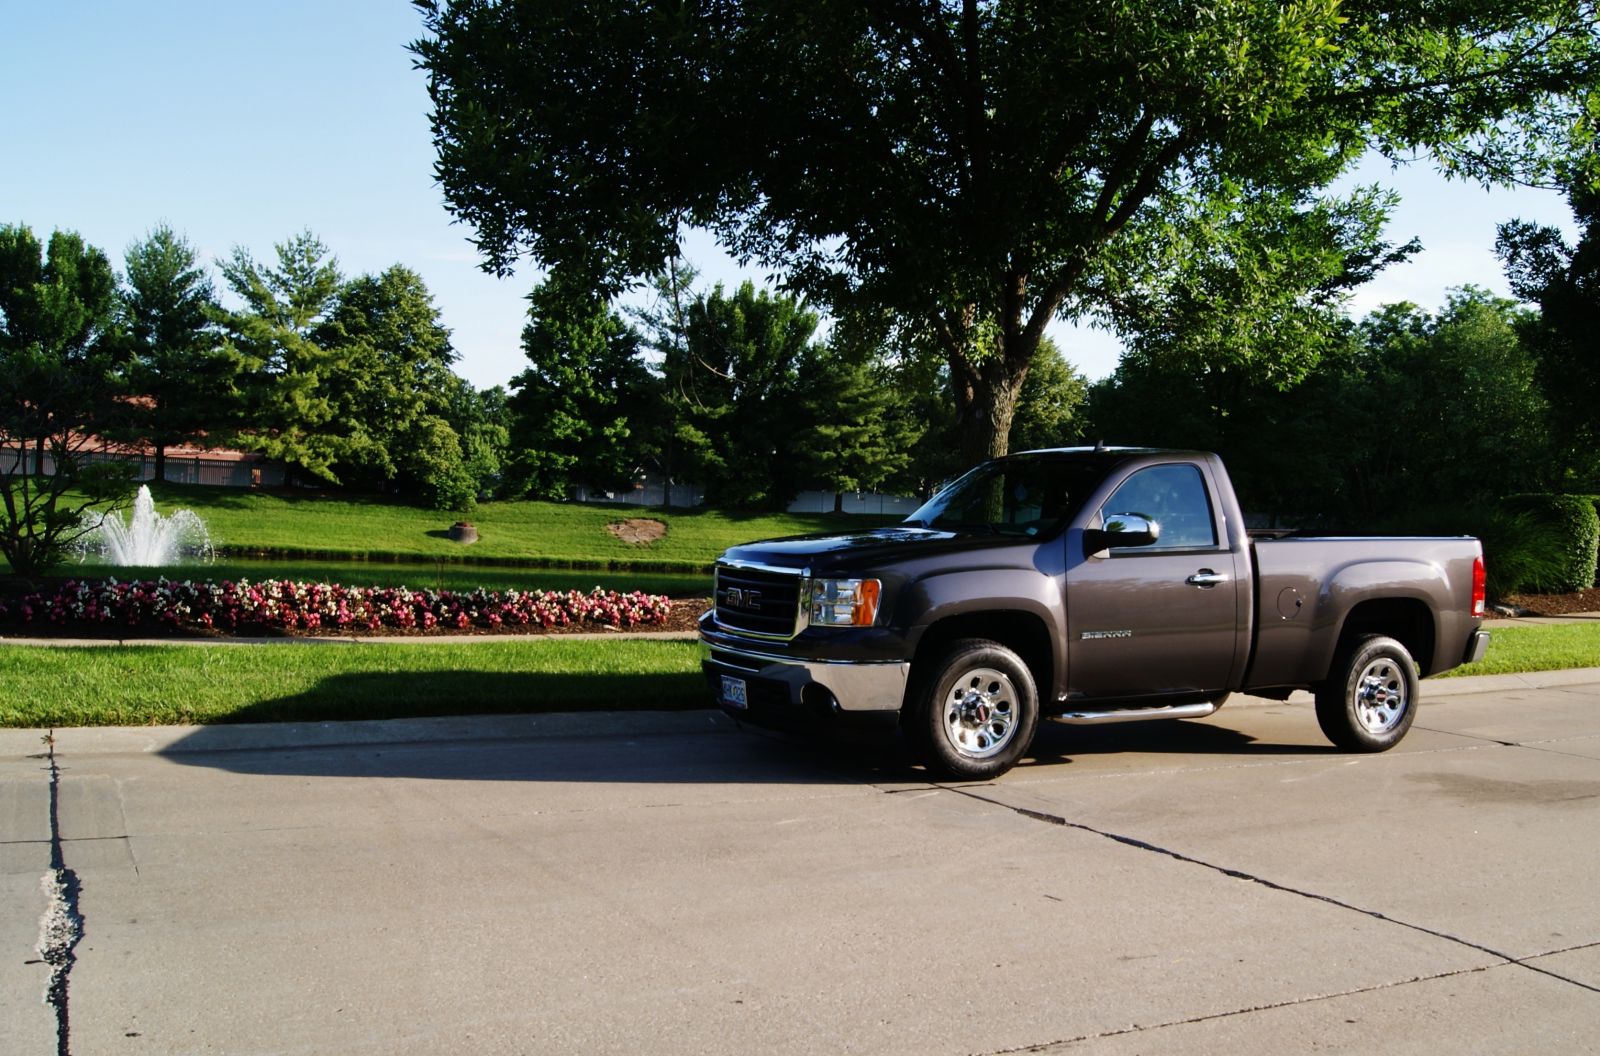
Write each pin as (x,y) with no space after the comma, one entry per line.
(759,601)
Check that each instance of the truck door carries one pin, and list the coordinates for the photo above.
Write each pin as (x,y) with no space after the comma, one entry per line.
(1161,619)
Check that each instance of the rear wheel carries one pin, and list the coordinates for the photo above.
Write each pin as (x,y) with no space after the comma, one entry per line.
(1370,697)
(975,713)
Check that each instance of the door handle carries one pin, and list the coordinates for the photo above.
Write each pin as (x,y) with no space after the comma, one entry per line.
(1207,578)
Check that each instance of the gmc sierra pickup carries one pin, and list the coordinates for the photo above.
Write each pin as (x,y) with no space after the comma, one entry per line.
(1084,586)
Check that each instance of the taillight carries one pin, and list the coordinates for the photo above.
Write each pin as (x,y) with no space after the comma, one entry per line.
(1480,580)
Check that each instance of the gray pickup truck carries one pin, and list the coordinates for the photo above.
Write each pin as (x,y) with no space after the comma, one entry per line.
(1084,586)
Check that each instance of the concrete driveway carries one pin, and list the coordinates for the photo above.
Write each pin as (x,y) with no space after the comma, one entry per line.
(667,883)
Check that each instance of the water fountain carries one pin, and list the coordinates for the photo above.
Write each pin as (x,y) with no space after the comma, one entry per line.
(146,538)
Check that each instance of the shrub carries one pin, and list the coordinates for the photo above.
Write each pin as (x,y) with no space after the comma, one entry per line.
(1570,528)
(1520,549)
(1595,499)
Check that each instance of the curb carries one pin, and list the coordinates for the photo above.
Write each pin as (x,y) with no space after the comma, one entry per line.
(1469,685)
(291,736)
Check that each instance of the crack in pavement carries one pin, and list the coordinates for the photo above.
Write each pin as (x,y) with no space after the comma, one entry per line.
(1532,746)
(1139,1028)
(61,927)
(1238,874)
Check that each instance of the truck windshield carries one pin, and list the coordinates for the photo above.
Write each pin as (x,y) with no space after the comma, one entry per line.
(1027,495)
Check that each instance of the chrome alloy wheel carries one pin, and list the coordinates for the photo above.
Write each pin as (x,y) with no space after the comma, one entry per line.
(980,713)
(1380,702)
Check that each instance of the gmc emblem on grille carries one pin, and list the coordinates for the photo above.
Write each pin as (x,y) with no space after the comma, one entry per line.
(736,598)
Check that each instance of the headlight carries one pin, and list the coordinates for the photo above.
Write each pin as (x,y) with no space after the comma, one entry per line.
(845,602)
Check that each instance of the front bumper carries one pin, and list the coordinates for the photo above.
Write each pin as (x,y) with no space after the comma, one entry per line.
(786,690)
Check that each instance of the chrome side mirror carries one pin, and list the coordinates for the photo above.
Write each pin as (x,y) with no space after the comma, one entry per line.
(1121,529)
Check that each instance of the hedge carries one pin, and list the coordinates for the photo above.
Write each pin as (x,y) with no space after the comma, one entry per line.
(1570,539)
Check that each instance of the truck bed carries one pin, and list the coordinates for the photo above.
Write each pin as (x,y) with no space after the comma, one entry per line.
(1304,585)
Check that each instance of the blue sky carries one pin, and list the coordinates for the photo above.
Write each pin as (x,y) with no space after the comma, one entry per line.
(243,124)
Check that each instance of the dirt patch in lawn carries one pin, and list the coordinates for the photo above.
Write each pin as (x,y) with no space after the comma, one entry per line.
(638,531)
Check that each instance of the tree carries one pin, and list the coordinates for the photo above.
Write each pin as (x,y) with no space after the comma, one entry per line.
(390,384)
(736,385)
(1250,282)
(972,168)
(57,392)
(1403,411)
(581,410)
(1564,281)
(849,436)
(284,370)
(1459,415)
(175,368)
(482,419)
(1048,410)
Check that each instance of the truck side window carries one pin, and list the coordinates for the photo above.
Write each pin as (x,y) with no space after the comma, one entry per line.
(1174,497)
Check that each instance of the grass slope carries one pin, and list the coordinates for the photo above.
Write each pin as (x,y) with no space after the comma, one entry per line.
(556,535)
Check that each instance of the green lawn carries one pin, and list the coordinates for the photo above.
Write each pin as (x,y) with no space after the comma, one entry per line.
(534,534)
(1537,647)
(294,681)
(182,684)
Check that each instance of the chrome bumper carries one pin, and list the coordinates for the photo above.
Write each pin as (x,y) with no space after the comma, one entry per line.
(852,685)
(1477,645)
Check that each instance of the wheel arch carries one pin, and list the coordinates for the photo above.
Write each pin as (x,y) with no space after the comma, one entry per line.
(1408,621)
(1024,633)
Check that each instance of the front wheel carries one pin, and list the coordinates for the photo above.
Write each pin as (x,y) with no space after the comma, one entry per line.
(975,714)
(1370,697)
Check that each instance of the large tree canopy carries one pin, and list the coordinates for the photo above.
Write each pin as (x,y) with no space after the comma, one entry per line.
(971,167)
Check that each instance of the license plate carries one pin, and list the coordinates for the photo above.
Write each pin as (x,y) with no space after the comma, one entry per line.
(733,692)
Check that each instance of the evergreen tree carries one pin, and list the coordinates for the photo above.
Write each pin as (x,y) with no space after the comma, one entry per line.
(285,372)
(175,367)
(847,437)
(390,382)
(737,380)
(581,411)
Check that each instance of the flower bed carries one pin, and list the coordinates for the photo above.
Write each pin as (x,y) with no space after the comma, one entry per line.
(287,606)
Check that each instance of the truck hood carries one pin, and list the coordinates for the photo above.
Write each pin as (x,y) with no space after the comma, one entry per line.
(875,548)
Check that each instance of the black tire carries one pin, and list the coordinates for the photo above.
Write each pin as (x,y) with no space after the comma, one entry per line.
(974,713)
(1370,697)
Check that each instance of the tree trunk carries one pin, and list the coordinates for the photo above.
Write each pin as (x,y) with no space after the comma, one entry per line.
(986,402)
(161,463)
(838,502)
(986,390)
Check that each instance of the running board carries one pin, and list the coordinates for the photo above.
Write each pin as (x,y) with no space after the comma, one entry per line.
(1174,711)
